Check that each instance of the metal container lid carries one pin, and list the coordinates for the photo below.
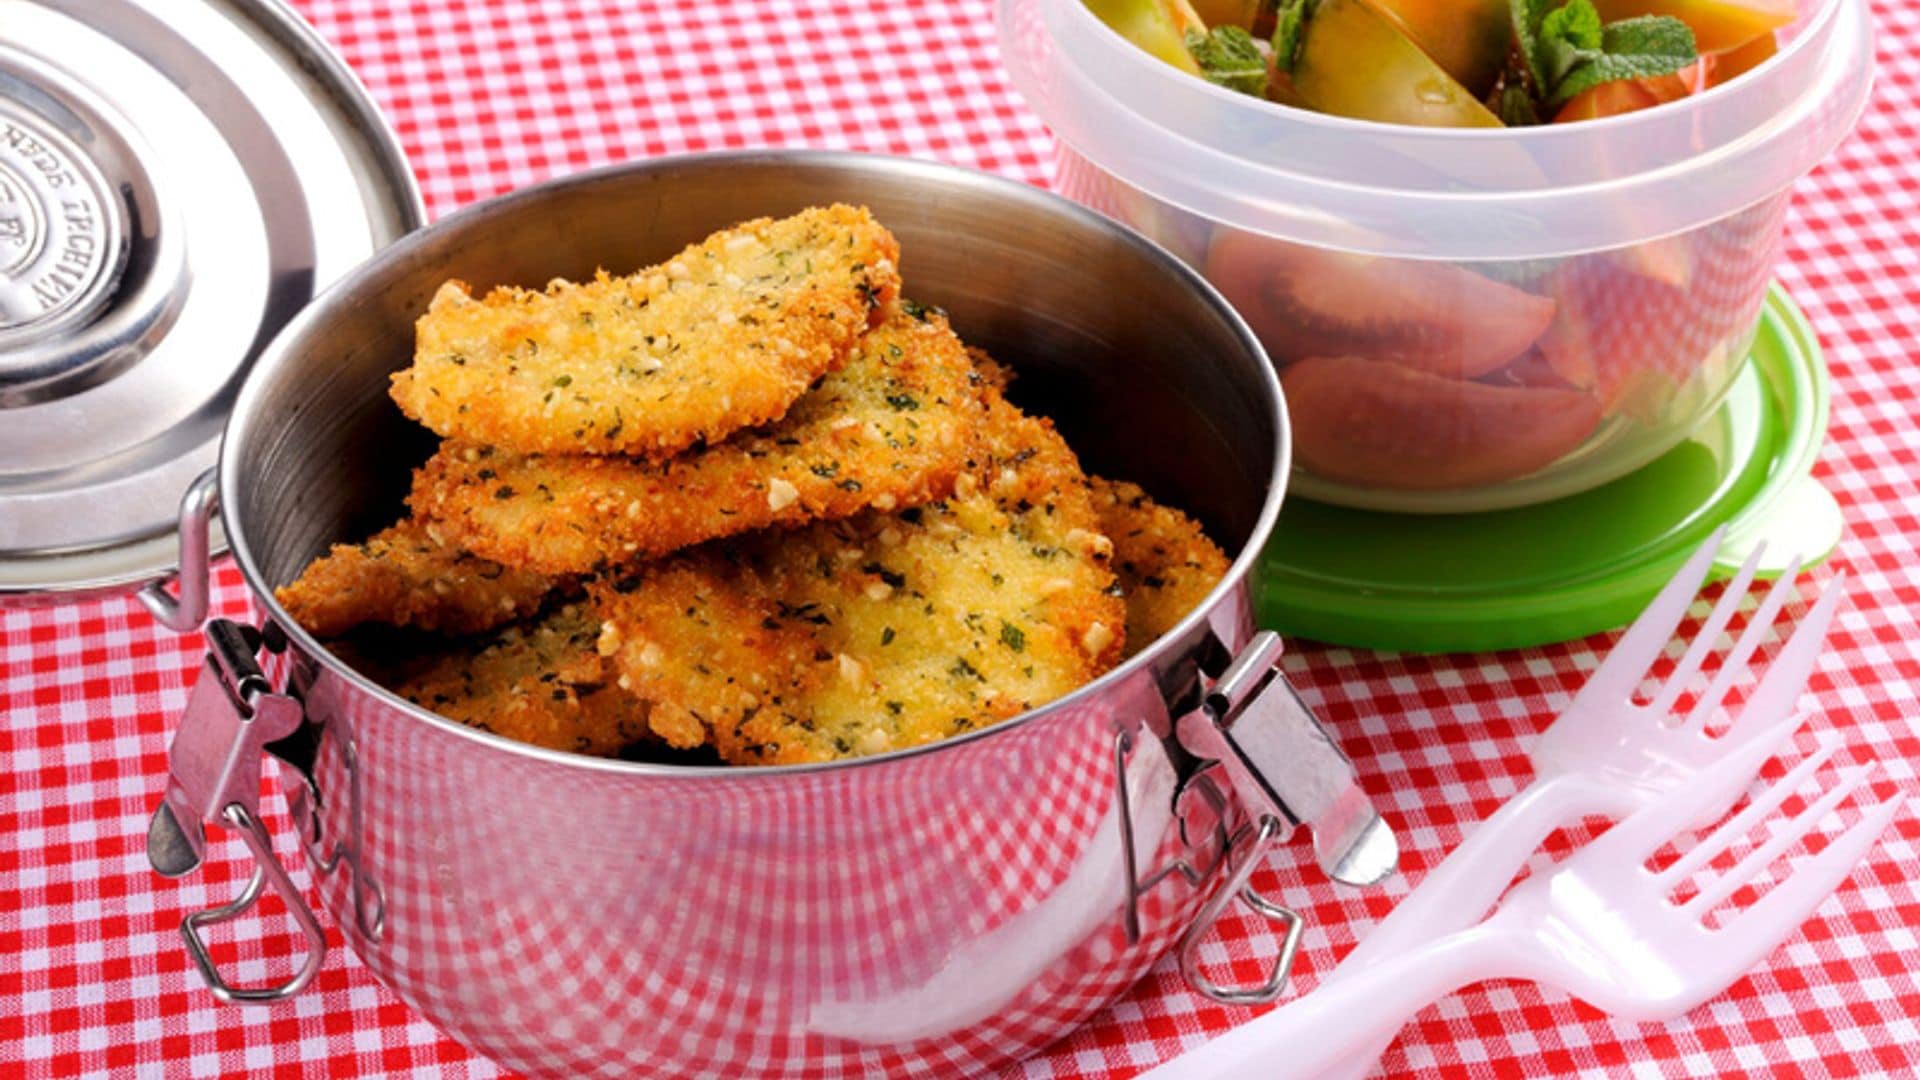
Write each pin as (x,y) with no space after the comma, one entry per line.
(177,179)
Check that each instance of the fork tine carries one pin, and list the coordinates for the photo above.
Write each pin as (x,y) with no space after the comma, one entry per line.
(1616,677)
(1786,677)
(1756,810)
(1709,635)
(1736,662)
(1744,940)
(1795,831)
(1638,836)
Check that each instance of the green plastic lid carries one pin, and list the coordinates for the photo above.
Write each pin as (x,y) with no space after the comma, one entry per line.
(1575,566)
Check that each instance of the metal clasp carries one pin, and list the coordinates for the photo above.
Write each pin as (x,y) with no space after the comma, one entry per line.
(305,802)
(214,778)
(1243,853)
(1283,764)
(1254,734)
(197,509)
(1234,854)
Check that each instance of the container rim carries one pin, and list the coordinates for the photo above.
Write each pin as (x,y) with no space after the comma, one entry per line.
(896,168)
(1452,193)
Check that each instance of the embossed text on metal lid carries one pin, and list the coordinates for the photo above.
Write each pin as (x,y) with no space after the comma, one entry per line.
(60,227)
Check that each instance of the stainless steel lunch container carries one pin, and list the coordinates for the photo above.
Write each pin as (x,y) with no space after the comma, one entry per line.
(934,911)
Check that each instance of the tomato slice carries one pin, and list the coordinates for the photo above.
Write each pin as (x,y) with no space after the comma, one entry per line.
(1306,301)
(1632,95)
(1688,80)
(1383,425)
(1607,99)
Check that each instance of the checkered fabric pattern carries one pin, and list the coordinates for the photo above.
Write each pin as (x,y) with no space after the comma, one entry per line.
(491,96)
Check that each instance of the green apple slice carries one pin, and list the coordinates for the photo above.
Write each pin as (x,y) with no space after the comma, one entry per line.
(1157,26)
(1353,61)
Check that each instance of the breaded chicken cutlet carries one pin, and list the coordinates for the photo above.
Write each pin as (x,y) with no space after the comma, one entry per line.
(405,575)
(807,523)
(1164,560)
(882,631)
(891,429)
(725,335)
(541,683)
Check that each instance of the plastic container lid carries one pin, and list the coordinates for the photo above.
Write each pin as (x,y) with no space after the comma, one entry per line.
(1482,194)
(176,180)
(1565,569)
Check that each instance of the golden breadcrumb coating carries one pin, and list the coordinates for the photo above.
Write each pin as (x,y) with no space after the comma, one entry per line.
(405,575)
(891,429)
(994,375)
(1165,562)
(882,631)
(541,683)
(726,335)
(808,523)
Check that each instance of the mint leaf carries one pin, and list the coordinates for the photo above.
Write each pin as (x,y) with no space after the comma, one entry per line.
(1637,48)
(1228,56)
(1290,18)
(1527,17)
(1568,35)
(1577,24)
(1564,50)
(1650,35)
(1606,69)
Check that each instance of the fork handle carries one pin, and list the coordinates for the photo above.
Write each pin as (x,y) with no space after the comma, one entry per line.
(1317,1031)
(1463,888)
(1457,893)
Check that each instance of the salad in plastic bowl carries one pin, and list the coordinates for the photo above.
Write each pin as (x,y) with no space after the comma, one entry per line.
(1500,252)
(1458,63)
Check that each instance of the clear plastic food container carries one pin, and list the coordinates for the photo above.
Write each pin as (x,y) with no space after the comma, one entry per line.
(1464,319)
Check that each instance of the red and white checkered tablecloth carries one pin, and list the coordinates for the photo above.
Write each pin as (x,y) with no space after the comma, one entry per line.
(491,96)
